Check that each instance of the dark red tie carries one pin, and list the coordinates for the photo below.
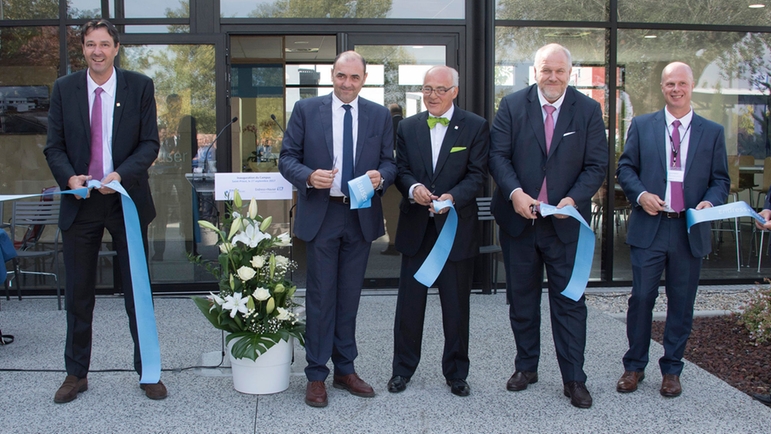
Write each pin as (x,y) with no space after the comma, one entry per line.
(95,165)
(548,130)
(676,188)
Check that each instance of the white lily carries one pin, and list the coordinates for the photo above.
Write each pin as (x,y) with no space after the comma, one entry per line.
(226,247)
(251,236)
(252,209)
(261,294)
(217,300)
(283,240)
(246,273)
(235,303)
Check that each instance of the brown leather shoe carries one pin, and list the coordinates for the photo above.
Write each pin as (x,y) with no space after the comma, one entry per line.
(670,386)
(155,391)
(70,388)
(578,394)
(353,384)
(520,380)
(628,382)
(316,394)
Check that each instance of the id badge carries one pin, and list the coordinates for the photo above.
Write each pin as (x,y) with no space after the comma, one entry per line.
(676,175)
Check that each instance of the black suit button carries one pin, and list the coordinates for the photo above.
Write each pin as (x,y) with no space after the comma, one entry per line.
(543,168)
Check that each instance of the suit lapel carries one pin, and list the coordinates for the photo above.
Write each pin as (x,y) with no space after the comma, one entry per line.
(693,142)
(567,111)
(325,114)
(81,97)
(362,131)
(659,123)
(450,138)
(535,115)
(424,143)
(121,90)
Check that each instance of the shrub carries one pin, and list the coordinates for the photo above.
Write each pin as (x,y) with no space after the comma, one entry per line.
(756,315)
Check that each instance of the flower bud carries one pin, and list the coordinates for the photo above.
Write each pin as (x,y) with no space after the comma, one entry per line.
(237,199)
(266,223)
(279,288)
(252,209)
(270,305)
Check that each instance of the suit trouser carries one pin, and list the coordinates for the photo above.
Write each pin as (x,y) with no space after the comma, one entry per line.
(454,283)
(669,251)
(337,260)
(80,247)
(524,257)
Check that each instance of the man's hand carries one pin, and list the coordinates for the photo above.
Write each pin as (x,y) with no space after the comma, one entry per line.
(523,204)
(321,178)
(567,201)
(703,204)
(375,178)
(446,196)
(78,181)
(114,176)
(651,203)
(423,195)
(766,214)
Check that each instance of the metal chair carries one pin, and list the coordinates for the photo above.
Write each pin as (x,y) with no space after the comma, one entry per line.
(35,216)
(484,214)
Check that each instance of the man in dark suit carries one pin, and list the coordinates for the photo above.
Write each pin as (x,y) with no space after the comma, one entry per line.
(101,125)
(547,144)
(673,160)
(392,197)
(328,141)
(441,155)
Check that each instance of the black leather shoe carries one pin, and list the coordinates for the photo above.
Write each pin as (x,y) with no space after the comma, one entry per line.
(397,384)
(459,387)
(520,380)
(765,399)
(578,394)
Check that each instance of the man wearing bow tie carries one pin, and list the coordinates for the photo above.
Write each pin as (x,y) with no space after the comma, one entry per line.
(441,155)
(547,145)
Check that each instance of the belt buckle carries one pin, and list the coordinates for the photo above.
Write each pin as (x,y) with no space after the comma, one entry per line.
(346,200)
(673,215)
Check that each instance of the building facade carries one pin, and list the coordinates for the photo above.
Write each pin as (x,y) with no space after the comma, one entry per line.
(212,60)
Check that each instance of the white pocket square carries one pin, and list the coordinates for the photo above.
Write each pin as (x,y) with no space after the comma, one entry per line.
(567,134)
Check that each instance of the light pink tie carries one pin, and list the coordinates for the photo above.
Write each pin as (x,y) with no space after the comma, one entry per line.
(95,165)
(548,130)
(676,190)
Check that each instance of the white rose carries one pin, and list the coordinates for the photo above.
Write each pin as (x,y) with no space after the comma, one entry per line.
(257,261)
(282,261)
(261,294)
(283,314)
(245,273)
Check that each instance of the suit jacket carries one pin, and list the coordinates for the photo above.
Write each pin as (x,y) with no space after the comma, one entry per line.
(643,167)
(308,146)
(461,173)
(575,166)
(135,142)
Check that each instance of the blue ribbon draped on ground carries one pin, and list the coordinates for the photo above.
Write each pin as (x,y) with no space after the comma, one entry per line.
(582,266)
(149,348)
(361,192)
(720,212)
(434,263)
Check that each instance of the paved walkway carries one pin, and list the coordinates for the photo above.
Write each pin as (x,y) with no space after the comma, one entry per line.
(203,401)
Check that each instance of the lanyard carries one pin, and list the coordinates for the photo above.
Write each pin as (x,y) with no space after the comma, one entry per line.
(672,142)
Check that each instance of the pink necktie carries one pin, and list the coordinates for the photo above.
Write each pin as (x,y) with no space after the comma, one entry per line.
(95,165)
(676,190)
(548,130)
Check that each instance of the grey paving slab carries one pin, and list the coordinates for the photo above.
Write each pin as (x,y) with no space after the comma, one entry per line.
(203,401)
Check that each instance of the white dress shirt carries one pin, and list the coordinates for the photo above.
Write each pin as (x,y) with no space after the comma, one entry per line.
(437,137)
(108,108)
(338,113)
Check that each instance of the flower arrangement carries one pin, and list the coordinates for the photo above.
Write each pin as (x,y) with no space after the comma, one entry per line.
(756,315)
(255,299)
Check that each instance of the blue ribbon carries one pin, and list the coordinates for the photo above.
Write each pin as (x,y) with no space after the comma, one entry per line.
(361,192)
(149,347)
(7,252)
(434,263)
(582,266)
(720,212)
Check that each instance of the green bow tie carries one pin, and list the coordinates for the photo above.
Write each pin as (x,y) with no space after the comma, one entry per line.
(433,120)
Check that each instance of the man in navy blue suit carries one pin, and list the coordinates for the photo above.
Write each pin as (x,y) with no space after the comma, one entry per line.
(330,138)
(673,160)
(547,144)
(441,155)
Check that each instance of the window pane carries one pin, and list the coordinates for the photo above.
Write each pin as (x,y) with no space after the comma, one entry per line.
(171,28)
(424,9)
(555,10)
(154,8)
(514,52)
(79,9)
(28,9)
(702,12)
(185,96)
(731,71)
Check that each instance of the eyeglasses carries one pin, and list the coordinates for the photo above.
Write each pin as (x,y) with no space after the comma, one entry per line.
(439,90)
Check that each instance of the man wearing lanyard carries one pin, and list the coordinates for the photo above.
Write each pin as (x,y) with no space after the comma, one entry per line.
(673,160)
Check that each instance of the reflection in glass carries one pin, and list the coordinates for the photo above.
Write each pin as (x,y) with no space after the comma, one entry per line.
(185,97)
(560,10)
(80,9)
(723,12)
(172,28)
(28,9)
(154,8)
(425,9)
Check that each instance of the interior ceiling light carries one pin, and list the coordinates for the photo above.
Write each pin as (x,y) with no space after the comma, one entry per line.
(300,42)
(301,50)
(757,6)
(650,36)
(568,34)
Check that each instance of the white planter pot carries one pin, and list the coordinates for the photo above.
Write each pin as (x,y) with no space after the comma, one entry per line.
(268,374)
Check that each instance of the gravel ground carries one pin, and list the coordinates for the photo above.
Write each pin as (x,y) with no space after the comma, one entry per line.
(708,298)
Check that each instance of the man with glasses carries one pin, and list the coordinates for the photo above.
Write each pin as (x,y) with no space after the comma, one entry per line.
(441,155)
(547,145)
